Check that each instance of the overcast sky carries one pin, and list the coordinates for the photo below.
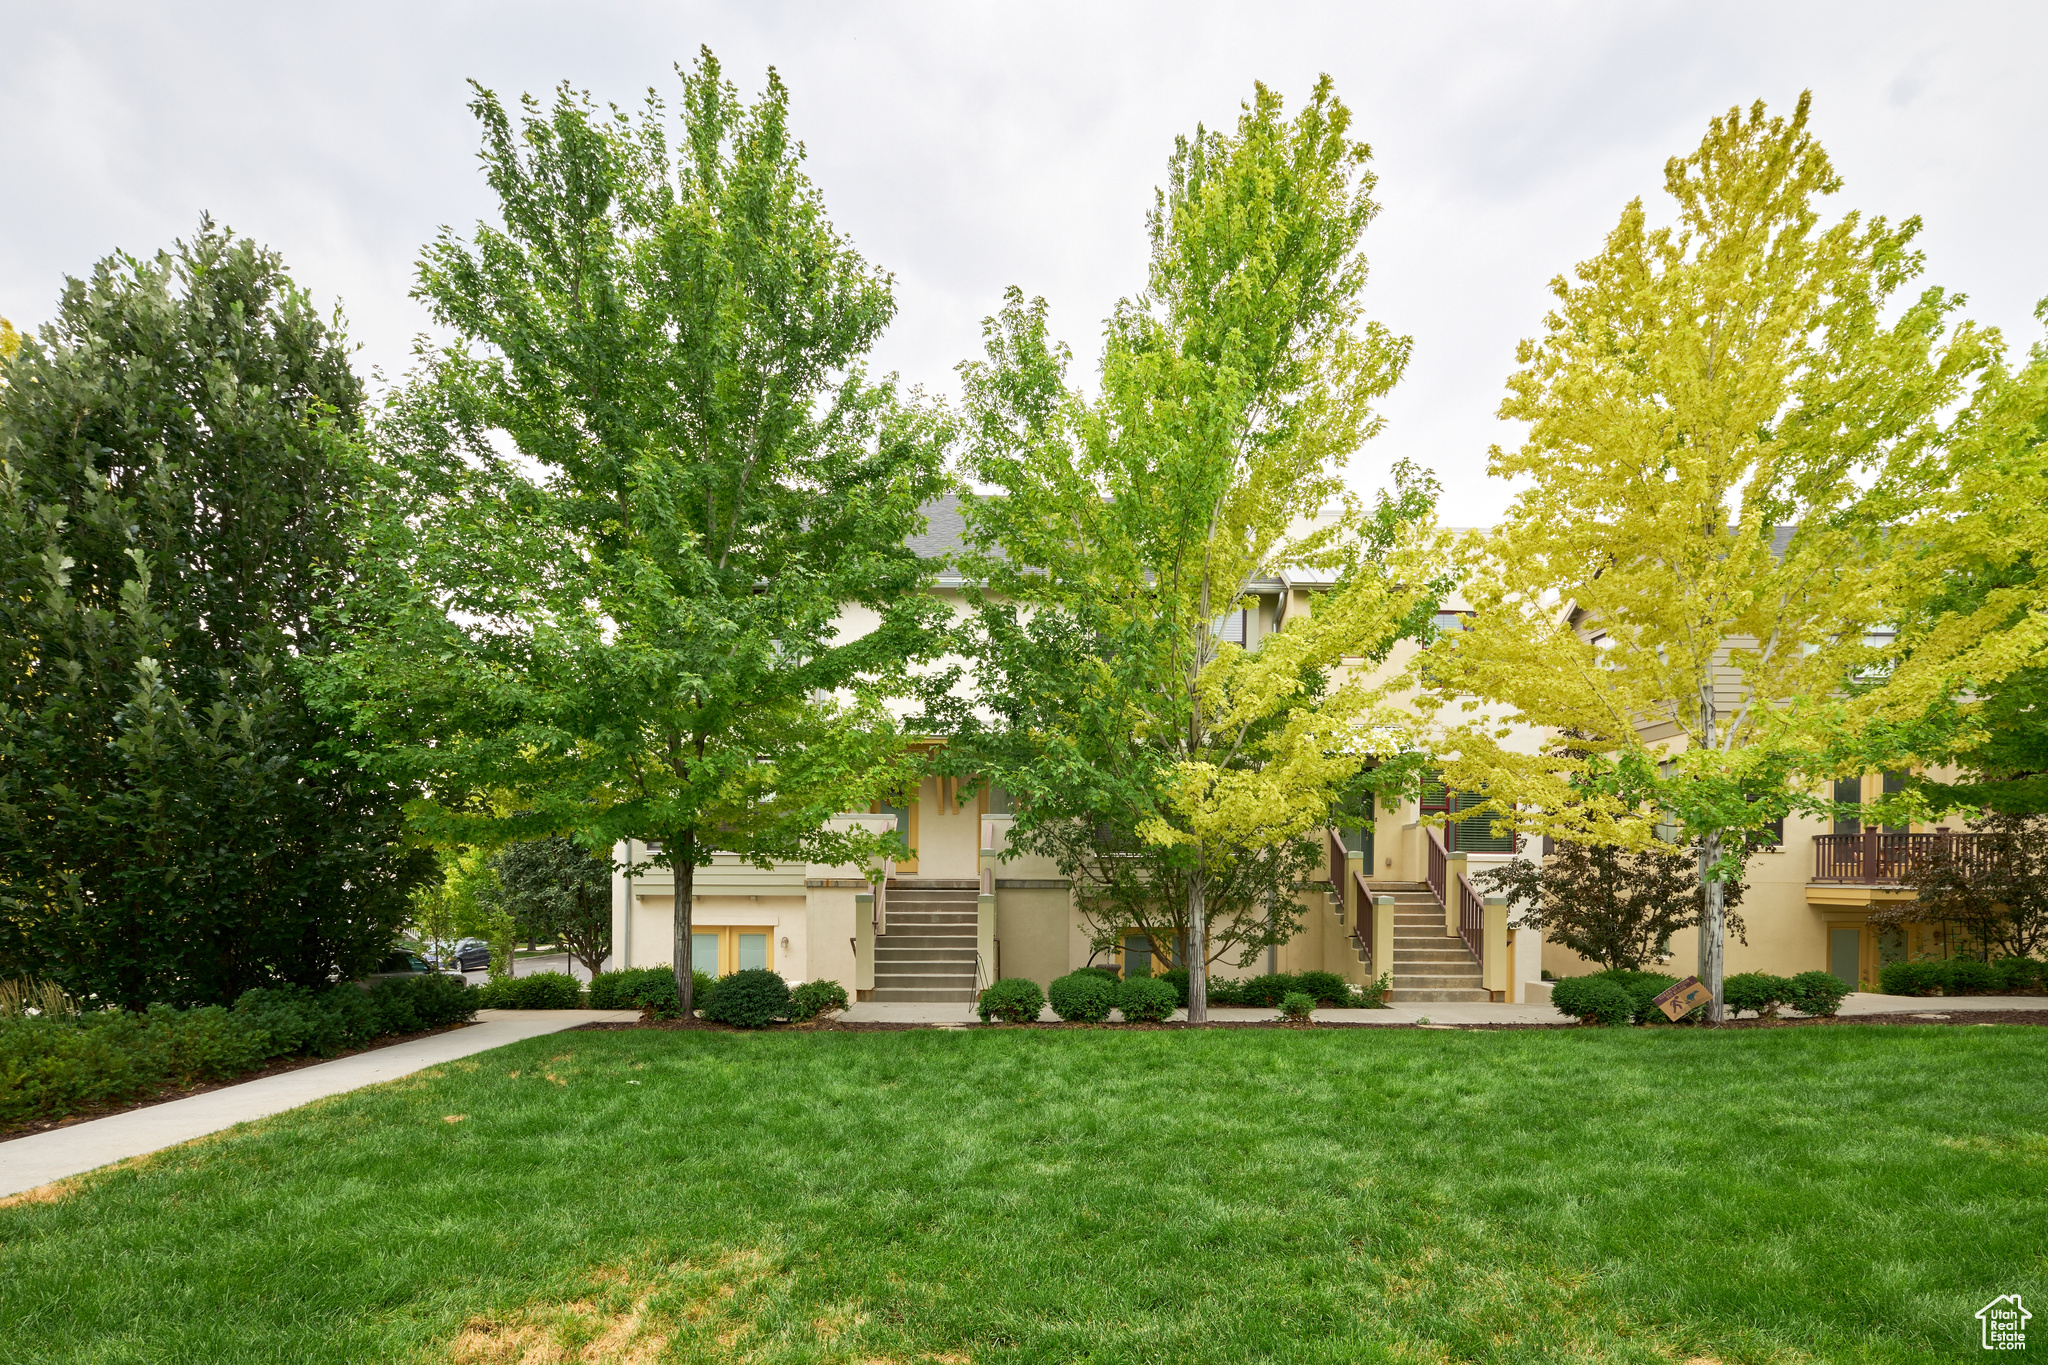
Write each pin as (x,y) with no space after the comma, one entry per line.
(967,147)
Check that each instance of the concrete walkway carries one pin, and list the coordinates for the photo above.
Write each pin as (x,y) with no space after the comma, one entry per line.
(41,1158)
(1447,1012)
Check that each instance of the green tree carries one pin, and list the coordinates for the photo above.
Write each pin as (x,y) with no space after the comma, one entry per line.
(1970,651)
(630,615)
(1614,906)
(558,890)
(176,821)
(1726,418)
(1231,392)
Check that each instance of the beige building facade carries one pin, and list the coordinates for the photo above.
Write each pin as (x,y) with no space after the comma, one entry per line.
(1397,899)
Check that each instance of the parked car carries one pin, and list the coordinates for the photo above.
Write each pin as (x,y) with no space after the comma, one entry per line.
(470,955)
(403,960)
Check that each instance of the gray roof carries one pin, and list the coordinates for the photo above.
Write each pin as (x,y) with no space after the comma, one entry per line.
(944,527)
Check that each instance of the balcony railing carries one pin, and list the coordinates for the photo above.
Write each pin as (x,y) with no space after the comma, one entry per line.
(1880,858)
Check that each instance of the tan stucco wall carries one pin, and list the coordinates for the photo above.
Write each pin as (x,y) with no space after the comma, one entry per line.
(1033,928)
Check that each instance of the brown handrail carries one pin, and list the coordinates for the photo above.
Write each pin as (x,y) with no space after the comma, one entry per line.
(1439,869)
(1362,923)
(1333,844)
(1471,919)
(1880,858)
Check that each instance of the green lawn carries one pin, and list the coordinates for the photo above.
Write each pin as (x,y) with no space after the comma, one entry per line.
(1825,1194)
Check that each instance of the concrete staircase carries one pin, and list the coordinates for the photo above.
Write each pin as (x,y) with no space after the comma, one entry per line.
(927,955)
(1429,964)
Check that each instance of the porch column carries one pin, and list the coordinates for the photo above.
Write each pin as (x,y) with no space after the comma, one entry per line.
(1453,889)
(1494,965)
(864,945)
(1383,936)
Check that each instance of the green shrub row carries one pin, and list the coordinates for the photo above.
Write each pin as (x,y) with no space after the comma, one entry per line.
(1619,996)
(1014,1000)
(1327,989)
(540,991)
(1763,994)
(753,998)
(651,990)
(1964,976)
(56,1064)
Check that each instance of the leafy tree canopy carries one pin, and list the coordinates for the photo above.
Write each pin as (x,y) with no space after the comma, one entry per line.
(626,508)
(1231,392)
(176,821)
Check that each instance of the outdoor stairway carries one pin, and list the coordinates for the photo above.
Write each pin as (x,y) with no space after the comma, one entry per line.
(1429,964)
(927,955)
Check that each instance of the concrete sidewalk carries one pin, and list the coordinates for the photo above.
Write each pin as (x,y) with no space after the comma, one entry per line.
(43,1157)
(1858,1003)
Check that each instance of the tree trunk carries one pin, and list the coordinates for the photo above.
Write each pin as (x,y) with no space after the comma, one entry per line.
(682,863)
(1198,947)
(1711,933)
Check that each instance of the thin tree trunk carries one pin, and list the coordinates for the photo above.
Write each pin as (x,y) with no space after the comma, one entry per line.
(683,864)
(1198,946)
(1713,892)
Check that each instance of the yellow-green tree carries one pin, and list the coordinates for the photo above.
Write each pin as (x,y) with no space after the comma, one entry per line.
(1728,422)
(1231,392)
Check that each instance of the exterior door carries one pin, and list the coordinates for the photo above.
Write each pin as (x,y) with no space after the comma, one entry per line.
(1845,956)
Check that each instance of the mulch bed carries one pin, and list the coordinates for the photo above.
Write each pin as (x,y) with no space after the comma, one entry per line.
(2036,1018)
(165,1095)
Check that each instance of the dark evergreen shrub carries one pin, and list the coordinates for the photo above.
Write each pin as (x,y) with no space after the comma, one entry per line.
(1594,1000)
(1643,988)
(1297,1005)
(1265,992)
(2018,975)
(1817,993)
(754,998)
(1145,1000)
(813,998)
(1082,997)
(1325,988)
(540,991)
(1226,992)
(1014,1000)
(1761,993)
(321,1023)
(1968,976)
(1911,978)
(1177,977)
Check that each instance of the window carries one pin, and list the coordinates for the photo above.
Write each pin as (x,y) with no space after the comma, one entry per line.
(721,950)
(1894,783)
(1474,833)
(999,802)
(1848,792)
(1229,627)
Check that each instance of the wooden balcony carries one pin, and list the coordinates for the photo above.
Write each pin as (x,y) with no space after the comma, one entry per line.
(1879,858)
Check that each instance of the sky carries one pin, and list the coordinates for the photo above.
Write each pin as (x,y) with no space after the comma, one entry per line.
(968,147)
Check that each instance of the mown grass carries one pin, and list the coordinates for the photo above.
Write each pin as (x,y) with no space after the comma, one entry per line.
(1817,1194)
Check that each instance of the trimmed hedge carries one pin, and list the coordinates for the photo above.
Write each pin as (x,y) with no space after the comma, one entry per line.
(1594,1000)
(1083,997)
(813,998)
(1963,976)
(651,990)
(754,998)
(1145,1000)
(1760,993)
(1014,1000)
(540,991)
(1818,993)
(54,1065)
